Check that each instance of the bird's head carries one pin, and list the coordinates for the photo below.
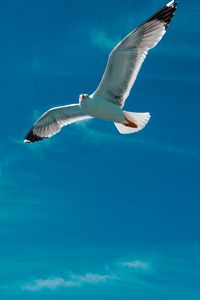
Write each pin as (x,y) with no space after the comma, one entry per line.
(83,97)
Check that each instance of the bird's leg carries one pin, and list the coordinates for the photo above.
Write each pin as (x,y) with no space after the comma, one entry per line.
(130,124)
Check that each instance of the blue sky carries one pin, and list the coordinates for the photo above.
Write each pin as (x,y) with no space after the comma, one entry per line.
(92,214)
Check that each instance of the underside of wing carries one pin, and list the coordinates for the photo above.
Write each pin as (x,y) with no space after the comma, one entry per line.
(53,120)
(127,57)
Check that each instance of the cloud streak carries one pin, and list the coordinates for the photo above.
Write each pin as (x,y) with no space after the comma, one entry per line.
(78,280)
(73,280)
(132,272)
(136,265)
(147,144)
(101,39)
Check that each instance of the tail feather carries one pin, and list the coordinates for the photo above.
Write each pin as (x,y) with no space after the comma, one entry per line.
(136,122)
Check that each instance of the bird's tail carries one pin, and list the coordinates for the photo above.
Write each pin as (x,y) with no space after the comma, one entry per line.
(134,122)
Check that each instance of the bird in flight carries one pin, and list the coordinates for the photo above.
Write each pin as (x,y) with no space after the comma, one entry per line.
(107,102)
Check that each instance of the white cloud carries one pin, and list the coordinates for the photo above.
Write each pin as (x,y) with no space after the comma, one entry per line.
(120,271)
(49,283)
(92,278)
(89,278)
(136,265)
(72,281)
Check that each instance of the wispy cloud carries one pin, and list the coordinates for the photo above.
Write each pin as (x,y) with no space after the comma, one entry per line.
(118,271)
(136,265)
(150,272)
(73,280)
(49,283)
(102,39)
(177,78)
(97,136)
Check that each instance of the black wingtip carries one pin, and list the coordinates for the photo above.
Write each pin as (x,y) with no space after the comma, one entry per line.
(172,4)
(165,14)
(31,137)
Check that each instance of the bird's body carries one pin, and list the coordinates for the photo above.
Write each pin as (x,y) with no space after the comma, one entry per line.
(107,101)
(100,108)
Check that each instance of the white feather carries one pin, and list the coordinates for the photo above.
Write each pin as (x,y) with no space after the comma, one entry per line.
(53,120)
(126,59)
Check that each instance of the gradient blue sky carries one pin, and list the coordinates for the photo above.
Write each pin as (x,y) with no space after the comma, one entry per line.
(92,214)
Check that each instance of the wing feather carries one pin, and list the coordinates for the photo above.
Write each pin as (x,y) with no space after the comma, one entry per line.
(127,57)
(53,120)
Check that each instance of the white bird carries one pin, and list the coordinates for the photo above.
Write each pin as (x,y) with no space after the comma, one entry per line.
(107,101)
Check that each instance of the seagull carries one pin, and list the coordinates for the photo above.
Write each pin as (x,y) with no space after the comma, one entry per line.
(107,102)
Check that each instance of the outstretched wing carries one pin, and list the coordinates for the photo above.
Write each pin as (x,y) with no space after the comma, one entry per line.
(53,120)
(127,57)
